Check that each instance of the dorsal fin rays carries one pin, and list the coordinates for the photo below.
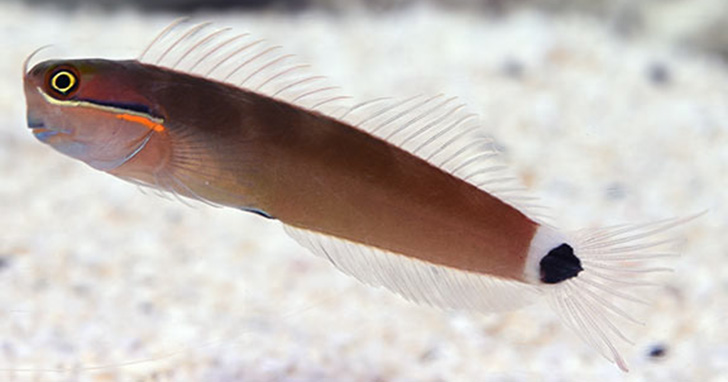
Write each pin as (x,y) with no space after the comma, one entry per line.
(239,68)
(360,105)
(268,64)
(239,51)
(203,56)
(164,32)
(202,42)
(287,71)
(242,61)
(189,33)
(435,128)
(441,131)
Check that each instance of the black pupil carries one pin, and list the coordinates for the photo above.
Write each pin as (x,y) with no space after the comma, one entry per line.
(63,81)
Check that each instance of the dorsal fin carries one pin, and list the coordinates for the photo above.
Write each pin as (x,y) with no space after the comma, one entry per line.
(241,60)
(438,129)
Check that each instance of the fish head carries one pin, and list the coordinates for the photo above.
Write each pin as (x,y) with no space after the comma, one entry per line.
(91,110)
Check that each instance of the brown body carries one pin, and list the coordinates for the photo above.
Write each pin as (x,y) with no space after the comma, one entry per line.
(313,172)
(202,138)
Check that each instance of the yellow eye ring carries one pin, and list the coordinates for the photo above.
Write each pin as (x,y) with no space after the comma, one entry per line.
(63,81)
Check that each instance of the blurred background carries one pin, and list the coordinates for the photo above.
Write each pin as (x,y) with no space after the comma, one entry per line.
(611,111)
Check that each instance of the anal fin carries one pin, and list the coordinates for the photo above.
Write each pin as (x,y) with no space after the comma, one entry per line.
(417,280)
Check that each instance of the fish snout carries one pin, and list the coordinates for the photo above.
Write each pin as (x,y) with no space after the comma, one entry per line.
(39,129)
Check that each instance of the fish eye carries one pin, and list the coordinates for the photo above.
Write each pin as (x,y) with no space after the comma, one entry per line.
(63,81)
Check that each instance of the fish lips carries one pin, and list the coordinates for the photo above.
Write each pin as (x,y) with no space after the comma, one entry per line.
(42,132)
(44,135)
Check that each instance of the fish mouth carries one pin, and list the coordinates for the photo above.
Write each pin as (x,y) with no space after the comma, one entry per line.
(44,134)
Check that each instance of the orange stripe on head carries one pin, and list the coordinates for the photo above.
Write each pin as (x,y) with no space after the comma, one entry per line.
(158,127)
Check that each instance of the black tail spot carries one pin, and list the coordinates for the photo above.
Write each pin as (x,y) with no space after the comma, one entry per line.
(560,264)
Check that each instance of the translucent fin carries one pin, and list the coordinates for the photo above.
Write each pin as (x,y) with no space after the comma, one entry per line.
(192,174)
(241,60)
(440,130)
(416,280)
(617,263)
(165,184)
(437,129)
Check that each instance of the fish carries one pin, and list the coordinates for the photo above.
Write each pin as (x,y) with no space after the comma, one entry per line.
(407,194)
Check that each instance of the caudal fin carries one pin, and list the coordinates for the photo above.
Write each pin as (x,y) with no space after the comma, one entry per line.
(618,263)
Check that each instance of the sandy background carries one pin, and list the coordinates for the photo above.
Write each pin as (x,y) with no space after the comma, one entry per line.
(100,282)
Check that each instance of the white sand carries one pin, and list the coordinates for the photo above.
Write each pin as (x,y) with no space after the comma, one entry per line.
(109,284)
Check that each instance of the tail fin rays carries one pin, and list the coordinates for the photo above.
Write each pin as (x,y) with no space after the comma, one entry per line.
(618,263)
